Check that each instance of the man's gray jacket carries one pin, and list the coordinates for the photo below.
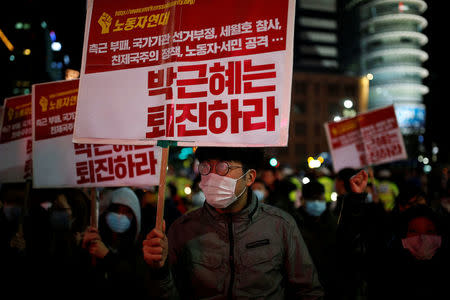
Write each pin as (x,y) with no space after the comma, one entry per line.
(257,253)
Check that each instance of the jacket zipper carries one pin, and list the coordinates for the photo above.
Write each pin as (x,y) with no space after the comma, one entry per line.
(231,258)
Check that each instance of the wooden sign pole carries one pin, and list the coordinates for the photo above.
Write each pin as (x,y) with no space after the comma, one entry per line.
(162,189)
(94,216)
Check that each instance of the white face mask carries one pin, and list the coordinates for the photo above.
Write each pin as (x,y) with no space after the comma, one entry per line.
(422,246)
(219,190)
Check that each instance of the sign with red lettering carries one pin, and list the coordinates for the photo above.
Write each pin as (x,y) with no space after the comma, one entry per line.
(197,72)
(15,140)
(370,138)
(58,162)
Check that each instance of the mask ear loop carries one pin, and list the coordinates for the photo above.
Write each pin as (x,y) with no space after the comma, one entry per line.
(245,187)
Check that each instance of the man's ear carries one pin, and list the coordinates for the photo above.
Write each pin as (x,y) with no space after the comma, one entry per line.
(250,177)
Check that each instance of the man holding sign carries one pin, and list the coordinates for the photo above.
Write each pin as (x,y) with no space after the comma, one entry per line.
(234,246)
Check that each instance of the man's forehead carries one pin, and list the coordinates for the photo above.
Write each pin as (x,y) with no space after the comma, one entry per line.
(216,160)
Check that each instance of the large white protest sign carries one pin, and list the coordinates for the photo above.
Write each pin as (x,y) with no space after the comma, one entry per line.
(370,138)
(15,140)
(201,72)
(58,162)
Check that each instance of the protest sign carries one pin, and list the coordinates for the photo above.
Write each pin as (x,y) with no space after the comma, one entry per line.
(200,72)
(370,138)
(15,140)
(58,162)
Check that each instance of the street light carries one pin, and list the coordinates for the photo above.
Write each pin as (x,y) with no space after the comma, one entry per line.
(348,103)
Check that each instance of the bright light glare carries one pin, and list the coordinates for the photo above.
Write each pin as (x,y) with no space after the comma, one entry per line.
(56,46)
(369,76)
(26,52)
(426,160)
(305,180)
(336,118)
(52,36)
(334,196)
(273,162)
(187,190)
(6,41)
(348,103)
(314,163)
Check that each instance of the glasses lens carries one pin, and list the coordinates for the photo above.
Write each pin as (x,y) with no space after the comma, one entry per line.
(222,168)
(204,168)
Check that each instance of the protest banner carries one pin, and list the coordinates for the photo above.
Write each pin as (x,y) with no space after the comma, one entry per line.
(195,72)
(15,140)
(58,162)
(370,138)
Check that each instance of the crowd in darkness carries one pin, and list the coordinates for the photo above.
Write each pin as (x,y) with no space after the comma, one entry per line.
(386,241)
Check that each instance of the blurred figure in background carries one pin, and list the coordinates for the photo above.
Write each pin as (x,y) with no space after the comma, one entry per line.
(14,245)
(268,175)
(416,265)
(261,190)
(360,237)
(68,219)
(149,204)
(387,189)
(342,188)
(325,178)
(286,196)
(197,198)
(117,270)
(443,207)
(318,227)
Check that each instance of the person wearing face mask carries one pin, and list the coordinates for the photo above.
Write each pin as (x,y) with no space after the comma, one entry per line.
(261,190)
(234,245)
(318,226)
(14,244)
(55,242)
(416,266)
(118,267)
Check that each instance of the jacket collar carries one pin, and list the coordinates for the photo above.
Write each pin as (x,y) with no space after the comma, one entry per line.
(247,214)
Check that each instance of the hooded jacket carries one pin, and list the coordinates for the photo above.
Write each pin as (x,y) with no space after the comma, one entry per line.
(255,253)
(127,197)
(120,273)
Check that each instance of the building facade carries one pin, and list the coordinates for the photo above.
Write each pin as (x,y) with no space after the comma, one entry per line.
(389,36)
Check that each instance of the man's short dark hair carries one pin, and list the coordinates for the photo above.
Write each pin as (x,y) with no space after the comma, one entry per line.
(250,157)
(312,189)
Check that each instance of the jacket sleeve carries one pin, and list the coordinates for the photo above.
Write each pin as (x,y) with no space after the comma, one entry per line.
(303,281)
(162,281)
(162,284)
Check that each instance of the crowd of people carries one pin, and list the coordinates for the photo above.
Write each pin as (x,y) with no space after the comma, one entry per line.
(241,230)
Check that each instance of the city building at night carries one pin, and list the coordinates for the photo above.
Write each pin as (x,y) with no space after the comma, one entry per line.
(316,36)
(389,47)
